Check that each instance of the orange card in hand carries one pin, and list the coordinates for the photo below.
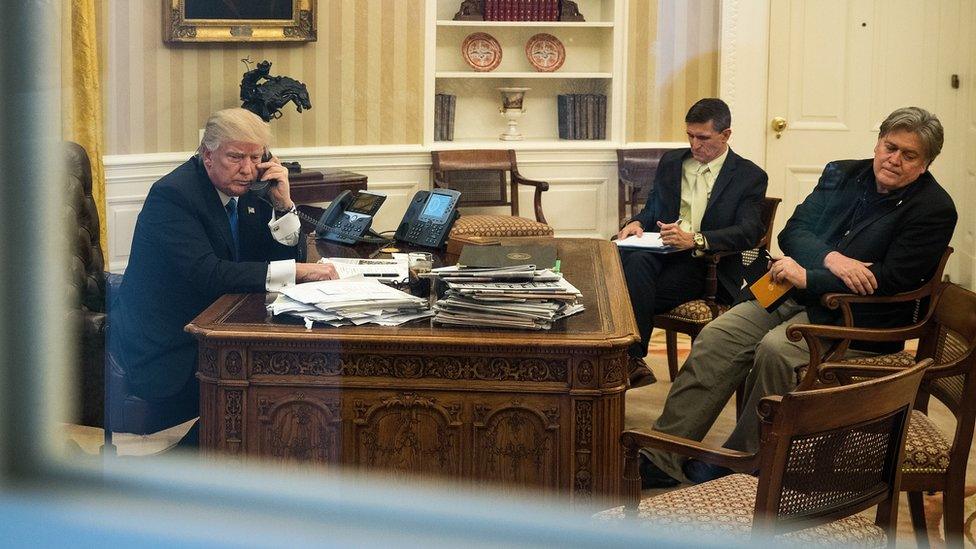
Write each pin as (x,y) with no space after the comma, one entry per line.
(770,294)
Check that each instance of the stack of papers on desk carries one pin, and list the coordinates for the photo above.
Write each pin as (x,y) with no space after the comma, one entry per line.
(350,301)
(384,270)
(510,297)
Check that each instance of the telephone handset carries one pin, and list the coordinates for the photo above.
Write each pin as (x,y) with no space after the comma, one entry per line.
(349,216)
(260,188)
(429,218)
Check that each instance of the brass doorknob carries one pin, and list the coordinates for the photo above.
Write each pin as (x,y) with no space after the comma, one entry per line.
(778,124)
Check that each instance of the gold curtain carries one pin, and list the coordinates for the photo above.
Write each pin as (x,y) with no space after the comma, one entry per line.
(81,98)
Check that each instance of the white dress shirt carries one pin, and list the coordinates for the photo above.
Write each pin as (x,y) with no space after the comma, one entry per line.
(286,230)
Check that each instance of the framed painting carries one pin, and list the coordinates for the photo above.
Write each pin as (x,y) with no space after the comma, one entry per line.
(239,21)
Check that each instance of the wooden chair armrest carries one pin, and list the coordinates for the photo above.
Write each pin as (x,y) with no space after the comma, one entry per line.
(439,183)
(796,332)
(836,373)
(543,185)
(840,337)
(741,462)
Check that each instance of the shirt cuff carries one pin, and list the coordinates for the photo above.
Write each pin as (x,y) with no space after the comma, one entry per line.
(286,229)
(281,274)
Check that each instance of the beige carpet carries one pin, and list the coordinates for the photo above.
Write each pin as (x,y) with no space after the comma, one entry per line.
(644,405)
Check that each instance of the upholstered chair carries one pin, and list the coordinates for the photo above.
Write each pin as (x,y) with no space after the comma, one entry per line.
(691,317)
(935,461)
(824,458)
(489,178)
(87,281)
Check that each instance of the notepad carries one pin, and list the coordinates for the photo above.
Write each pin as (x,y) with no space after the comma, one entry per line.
(770,294)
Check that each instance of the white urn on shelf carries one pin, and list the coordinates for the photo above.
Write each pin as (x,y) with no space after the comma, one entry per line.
(512,110)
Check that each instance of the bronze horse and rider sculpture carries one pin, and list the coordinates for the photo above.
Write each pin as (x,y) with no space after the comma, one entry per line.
(265,98)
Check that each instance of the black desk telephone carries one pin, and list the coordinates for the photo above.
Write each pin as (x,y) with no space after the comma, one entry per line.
(429,218)
(349,216)
(427,222)
(346,220)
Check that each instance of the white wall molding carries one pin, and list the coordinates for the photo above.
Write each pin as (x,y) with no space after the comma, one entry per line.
(744,73)
(582,200)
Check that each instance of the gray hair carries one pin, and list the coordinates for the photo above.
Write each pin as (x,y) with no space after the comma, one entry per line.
(920,122)
(234,125)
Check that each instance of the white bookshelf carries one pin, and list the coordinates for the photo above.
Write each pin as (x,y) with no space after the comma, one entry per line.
(594,64)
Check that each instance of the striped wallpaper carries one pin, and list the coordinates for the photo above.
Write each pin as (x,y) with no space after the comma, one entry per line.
(364,74)
(672,61)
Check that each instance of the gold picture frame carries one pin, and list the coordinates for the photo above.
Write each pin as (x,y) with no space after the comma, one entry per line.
(198,21)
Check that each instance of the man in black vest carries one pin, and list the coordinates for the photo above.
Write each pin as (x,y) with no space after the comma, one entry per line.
(704,197)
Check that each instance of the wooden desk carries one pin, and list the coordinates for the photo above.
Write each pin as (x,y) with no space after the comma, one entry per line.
(525,408)
(322,186)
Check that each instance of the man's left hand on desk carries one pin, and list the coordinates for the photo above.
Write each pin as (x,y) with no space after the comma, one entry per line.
(312,272)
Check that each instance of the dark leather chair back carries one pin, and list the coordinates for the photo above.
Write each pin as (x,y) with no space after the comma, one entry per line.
(635,177)
(87,279)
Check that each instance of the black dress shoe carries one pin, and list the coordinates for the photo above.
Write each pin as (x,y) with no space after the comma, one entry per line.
(698,471)
(639,374)
(653,477)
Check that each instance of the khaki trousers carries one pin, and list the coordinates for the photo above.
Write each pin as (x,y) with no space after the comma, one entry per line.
(746,343)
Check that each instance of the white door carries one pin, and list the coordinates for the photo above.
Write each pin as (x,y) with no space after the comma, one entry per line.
(838,67)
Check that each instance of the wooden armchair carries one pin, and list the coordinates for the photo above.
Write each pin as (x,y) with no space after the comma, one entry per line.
(489,178)
(823,458)
(691,317)
(933,461)
(635,179)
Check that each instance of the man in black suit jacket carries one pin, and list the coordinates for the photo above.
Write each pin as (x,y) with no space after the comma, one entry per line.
(200,235)
(704,197)
(870,226)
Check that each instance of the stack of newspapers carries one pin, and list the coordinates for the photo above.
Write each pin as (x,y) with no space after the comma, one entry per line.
(504,297)
(349,301)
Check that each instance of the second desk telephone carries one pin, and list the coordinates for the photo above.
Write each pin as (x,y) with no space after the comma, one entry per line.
(429,218)
(349,216)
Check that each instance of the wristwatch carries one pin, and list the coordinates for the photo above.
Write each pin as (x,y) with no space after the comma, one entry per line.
(699,241)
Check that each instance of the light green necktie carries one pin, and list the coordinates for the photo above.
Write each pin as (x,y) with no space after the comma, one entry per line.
(699,198)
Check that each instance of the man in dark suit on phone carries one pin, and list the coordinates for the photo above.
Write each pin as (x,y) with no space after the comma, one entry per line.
(704,198)
(200,235)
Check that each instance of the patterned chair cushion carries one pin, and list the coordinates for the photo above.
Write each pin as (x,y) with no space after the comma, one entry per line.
(901,359)
(499,225)
(926,448)
(725,506)
(696,312)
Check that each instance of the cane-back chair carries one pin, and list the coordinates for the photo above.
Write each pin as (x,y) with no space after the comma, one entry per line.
(635,179)
(934,461)
(824,458)
(488,178)
(692,316)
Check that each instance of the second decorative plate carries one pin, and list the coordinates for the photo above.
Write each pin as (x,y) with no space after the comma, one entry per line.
(545,52)
(481,51)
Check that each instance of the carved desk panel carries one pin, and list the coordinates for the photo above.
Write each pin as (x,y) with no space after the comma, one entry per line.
(492,406)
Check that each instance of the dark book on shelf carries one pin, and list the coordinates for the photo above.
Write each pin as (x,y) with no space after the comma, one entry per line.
(438,112)
(451,102)
(591,110)
(444,117)
(491,10)
(563,116)
(602,117)
(579,117)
